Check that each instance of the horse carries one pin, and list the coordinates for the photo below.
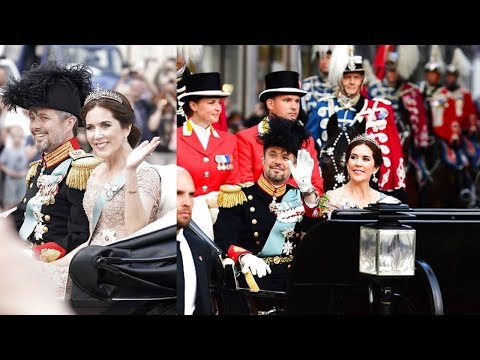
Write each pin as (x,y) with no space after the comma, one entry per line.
(332,154)
(450,182)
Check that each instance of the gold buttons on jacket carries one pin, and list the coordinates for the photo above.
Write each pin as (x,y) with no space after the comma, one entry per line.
(206,174)
(24,200)
(252,209)
(204,187)
(47,217)
(31,184)
(250,197)
(255,234)
(45,229)
(254,221)
(257,242)
(206,159)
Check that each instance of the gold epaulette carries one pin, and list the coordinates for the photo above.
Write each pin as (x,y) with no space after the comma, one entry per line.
(33,166)
(231,195)
(82,165)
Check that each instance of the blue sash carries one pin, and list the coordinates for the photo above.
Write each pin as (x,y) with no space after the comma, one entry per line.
(101,201)
(276,238)
(30,222)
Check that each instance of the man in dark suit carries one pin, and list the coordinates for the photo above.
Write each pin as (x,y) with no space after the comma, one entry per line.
(197,259)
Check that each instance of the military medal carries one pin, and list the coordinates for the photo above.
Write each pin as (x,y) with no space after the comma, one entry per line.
(273,204)
(224,162)
(220,160)
(48,188)
(228,160)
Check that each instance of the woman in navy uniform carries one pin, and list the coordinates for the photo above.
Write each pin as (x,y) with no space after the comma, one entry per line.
(51,215)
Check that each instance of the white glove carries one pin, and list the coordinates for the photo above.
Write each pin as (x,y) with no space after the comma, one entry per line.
(254,264)
(211,199)
(228,261)
(302,173)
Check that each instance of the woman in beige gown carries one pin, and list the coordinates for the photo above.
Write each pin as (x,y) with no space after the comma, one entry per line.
(129,186)
(363,159)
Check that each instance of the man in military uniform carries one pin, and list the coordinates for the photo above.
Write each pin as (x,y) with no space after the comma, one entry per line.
(350,109)
(258,224)
(51,215)
(317,86)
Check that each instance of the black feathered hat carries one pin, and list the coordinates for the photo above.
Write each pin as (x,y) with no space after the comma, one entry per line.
(284,133)
(52,86)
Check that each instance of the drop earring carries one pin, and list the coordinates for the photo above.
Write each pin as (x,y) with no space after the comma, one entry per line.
(374,178)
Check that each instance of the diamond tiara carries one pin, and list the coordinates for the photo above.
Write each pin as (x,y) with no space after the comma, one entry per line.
(103,94)
(366,137)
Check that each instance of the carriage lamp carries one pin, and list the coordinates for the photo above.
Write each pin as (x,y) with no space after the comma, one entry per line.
(387,248)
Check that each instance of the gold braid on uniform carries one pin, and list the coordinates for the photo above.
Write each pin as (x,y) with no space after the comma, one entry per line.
(232,195)
(270,189)
(33,166)
(82,166)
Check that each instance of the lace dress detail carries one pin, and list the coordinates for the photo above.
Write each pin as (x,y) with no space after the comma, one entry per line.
(111,224)
(338,200)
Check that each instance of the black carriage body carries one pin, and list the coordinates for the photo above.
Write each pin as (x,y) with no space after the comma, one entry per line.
(325,277)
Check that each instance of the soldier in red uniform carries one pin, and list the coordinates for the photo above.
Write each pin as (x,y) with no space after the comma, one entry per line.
(282,99)
(410,114)
(209,155)
(453,109)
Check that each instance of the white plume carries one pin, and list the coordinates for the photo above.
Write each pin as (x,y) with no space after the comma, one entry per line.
(191,53)
(370,77)
(408,58)
(338,63)
(436,59)
(461,63)
(321,49)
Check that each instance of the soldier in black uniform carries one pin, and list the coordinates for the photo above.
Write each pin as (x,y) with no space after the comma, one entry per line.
(258,224)
(51,215)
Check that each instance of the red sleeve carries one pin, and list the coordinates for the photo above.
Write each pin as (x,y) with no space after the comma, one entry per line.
(311,212)
(413,103)
(235,251)
(49,251)
(245,163)
(470,116)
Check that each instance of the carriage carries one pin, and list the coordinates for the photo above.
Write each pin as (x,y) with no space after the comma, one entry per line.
(325,277)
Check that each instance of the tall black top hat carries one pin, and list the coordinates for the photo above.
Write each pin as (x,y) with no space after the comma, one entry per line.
(50,85)
(204,85)
(286,82)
